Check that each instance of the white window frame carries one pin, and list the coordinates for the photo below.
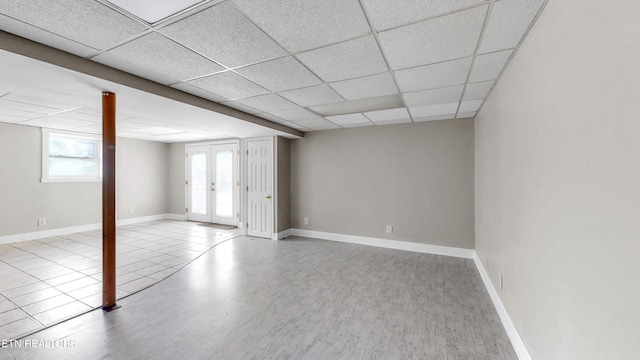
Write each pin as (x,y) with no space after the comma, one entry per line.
(97,139)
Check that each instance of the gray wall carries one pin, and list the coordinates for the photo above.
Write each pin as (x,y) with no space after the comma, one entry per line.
(283,185)
(24,198)
(177,178)
(141,184)
(142,178)
(558,183)
(417,177)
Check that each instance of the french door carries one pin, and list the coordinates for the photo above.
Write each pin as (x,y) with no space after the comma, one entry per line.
(212,183)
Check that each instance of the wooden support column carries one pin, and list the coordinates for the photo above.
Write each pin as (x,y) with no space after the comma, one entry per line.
(108,201)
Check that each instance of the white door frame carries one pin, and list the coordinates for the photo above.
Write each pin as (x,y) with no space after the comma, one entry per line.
(237,175)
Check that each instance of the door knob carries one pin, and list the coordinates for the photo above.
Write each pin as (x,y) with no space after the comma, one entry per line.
(268,196)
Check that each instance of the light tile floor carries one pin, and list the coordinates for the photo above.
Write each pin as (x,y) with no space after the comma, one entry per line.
(45,281)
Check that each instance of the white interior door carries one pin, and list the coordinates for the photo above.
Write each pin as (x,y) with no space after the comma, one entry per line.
(260,188)
(212,183)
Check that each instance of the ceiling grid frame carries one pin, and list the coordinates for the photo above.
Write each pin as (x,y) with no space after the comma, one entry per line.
(386,59)
(184,83)
(487,18)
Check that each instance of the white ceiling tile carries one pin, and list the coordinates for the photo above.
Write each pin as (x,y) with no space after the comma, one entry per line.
(361,105)
(392,122)
(296,126)
(385,116)
(20,113)
(434,110)
(314,95)
(199,92)
(92,128)
(180,137)
(157,58)
(317,124)
(434,76)
(470,106)
(433,96)
(268,102)
(347,60)
(345,126)
(44,37)
(272,118)
(466,115)
(229,85)
(349,120)
(41,101)
(132,135)
(440,39)
(489,66)
(158,130)
(133,124)
(30,108)
(280,74)
(294,114)
(224,35)
(153,11)
(57,122)
(79,115)
(434,117)
(366,87)
(508,22)
(87,22)
(10,119)
(302,25)
(388,13)
(479,90)
(241,107)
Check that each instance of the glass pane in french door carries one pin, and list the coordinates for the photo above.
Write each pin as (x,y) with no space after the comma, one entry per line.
(199,186)
(224,183)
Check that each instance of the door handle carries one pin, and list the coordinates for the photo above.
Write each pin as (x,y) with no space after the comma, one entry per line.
(268,196)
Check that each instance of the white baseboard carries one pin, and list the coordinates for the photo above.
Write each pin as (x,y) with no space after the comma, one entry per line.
(82,228)
(518,345)
(6,239)
(180,217)
(281,235)
(389,244)
(142,219)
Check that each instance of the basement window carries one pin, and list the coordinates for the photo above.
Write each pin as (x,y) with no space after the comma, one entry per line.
(71,157)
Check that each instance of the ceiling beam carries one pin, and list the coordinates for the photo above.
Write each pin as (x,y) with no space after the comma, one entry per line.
(37,51)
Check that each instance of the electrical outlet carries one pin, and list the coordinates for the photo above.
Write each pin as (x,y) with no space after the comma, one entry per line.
(501,282)
(306,221)
(42,222)
(389,229)
(131,211)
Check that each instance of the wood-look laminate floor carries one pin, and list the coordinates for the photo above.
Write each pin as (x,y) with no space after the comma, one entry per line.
(250,298)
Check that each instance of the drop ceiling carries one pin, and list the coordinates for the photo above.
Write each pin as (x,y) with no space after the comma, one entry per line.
(306,64)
